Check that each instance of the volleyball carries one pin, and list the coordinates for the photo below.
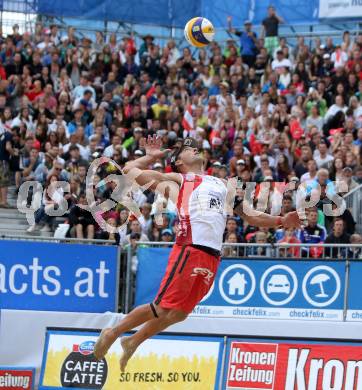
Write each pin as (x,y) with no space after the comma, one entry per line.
(199,32)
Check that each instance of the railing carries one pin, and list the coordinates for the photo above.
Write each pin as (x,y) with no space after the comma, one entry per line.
(282,250)
(25,17)
(52,239)
(354,203)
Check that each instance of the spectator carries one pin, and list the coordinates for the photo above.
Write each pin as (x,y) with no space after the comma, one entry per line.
(312,172)
(337,236)
(81,219)
(6,151)
(167,235)
(262,249)
(230,251)
(289,238)
(355,252)
(347,173)
(52,197)
(248,42)
(322,156)
(312,233)
(270,27)
(135,228)
(232,227)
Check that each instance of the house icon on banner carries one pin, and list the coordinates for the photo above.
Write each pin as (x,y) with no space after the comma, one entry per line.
(237,284)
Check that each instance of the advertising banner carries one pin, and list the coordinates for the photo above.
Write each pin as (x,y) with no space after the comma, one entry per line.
(354,303)
(60,277)
(302,290)
(163,362)
(285,365)
(340,8)
(16,378)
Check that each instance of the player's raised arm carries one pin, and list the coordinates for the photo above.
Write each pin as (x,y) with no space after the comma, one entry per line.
(259,219)
(138,169)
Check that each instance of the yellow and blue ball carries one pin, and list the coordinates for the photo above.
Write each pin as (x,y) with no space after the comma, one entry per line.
(199,32)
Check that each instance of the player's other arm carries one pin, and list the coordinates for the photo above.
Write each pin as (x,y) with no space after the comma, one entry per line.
(260,219)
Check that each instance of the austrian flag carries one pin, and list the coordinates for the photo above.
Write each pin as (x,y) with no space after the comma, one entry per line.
(188,120)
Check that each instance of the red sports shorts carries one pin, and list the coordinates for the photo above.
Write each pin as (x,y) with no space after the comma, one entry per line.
(189,276)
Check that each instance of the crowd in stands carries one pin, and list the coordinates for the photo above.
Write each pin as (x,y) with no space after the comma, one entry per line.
(260,109)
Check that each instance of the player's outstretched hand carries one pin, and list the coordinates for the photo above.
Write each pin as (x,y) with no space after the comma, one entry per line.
(153,147)
(291,220)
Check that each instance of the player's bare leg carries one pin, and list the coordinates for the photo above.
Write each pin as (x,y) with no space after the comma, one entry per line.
(108,336)
(156,325)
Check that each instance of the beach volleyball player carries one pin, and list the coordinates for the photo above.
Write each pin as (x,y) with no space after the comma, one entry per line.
(195,257)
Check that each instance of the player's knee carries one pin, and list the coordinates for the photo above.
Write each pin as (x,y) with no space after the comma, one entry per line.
(176,316)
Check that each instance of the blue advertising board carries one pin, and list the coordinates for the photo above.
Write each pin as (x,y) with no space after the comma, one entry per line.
(254,288)
(59,277)
(354,303)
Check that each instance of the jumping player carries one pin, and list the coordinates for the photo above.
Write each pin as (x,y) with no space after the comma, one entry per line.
(195,257)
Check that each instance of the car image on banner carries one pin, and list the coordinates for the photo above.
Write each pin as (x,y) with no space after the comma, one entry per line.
(292,365)
(162,362)
(257,288)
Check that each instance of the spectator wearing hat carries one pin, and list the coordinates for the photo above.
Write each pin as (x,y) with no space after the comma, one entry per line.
(167,235)
(281,62)
(216,168)
(147,42)
(138,153)
(222,97)
(248,41)
(270,26)
(240,167)
(347,177)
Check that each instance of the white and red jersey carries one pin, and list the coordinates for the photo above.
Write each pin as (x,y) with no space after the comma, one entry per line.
(201,210)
